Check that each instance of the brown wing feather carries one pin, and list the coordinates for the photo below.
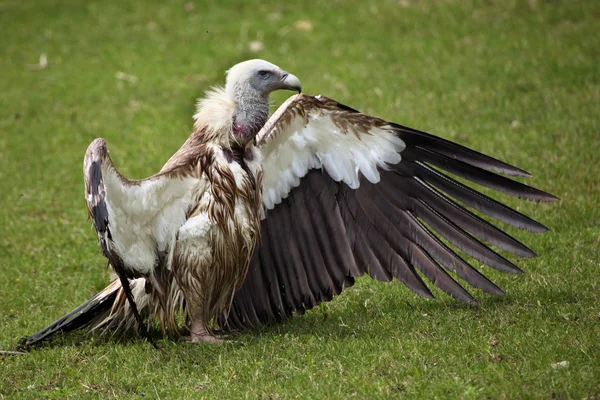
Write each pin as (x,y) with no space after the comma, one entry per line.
(324,234)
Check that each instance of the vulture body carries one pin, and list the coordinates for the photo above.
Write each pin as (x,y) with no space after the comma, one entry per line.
(255,219)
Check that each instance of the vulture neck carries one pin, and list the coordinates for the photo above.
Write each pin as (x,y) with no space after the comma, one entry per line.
(251,113)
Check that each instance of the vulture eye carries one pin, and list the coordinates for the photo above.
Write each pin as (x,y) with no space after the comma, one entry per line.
(264,74)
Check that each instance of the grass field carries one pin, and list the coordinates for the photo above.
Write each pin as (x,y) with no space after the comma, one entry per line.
(519,80)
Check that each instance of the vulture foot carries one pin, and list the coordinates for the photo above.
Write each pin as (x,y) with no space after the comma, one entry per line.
(203,338)
(200,334)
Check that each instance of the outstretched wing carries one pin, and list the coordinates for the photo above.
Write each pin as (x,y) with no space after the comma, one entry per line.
(136,220)
(345,194)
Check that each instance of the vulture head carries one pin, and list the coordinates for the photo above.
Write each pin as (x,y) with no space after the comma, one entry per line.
(258,78)
(244,101)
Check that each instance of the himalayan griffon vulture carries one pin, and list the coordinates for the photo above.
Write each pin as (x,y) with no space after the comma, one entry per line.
(255,219)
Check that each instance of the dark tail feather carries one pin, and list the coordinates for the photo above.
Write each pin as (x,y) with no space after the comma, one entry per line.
(81,317)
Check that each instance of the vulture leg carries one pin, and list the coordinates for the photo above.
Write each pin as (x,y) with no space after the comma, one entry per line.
(195,284)
(199,277)
(199,332)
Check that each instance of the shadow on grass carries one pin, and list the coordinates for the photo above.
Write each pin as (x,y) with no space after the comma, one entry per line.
(327,320)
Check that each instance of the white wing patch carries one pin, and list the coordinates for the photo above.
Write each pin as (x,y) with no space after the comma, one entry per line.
(144,218)
(321,143)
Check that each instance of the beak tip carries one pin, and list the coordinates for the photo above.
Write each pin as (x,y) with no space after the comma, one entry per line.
(292,83)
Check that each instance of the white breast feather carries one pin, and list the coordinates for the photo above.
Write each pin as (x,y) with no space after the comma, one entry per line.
(194,236)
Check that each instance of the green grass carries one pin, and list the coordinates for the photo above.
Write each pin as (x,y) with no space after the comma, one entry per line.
(519,80)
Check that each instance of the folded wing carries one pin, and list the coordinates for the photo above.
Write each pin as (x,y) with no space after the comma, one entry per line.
(345,194)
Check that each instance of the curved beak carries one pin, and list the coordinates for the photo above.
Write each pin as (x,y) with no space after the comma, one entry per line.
(290,82)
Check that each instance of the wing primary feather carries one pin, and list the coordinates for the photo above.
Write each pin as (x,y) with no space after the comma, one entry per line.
(431,269)
(409,226)
(453,262)
(79,318)
(410,251)
(455,150)
(464,241)
(470,197)
(419,189)
(450,231)
(480,176)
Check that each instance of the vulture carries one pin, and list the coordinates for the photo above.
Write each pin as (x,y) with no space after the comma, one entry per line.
(256,218)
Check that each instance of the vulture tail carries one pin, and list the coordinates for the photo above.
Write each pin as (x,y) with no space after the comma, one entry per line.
(108,309)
